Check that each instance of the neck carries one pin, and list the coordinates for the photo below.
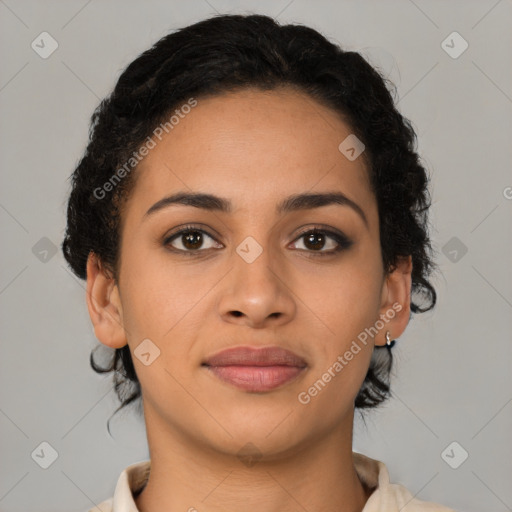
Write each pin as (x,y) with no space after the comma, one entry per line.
(318,475)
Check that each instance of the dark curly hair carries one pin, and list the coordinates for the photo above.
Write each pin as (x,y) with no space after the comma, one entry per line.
(227,53)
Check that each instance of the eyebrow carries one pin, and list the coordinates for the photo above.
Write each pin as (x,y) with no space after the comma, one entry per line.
(290,204)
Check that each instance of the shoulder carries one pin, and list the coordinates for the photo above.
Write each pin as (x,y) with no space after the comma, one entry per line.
(131,480)
(104,506)
(406,502)
(386,495)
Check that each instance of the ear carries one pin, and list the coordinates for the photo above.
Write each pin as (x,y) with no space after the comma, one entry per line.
(104,304)
(396,301)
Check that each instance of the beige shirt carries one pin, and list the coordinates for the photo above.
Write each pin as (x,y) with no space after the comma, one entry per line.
(386,497)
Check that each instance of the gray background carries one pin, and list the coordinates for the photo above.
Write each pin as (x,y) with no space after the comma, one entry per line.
(452,379)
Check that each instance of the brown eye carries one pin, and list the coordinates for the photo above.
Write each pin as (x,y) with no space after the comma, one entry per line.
(316,240)
(189,240)
(192,239)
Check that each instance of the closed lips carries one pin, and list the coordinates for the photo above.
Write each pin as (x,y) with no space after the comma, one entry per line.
(246,356)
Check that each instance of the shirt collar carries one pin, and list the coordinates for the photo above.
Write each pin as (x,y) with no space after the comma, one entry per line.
(131,480)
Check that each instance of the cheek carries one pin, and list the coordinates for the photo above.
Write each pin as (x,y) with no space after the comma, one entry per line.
(347,294)
(354,299)
(347,301)
(161,305)
(160,300)
(347,306)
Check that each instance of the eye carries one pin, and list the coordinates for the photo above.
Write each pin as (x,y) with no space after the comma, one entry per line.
(317,239)
(191,239)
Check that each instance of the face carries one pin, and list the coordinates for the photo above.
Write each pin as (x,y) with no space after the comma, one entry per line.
(252,275)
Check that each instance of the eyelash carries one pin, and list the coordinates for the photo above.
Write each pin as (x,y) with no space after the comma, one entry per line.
(343,242)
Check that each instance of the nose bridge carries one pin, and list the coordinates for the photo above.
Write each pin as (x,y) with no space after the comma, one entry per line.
(256,288)
(255,262)
(255,244)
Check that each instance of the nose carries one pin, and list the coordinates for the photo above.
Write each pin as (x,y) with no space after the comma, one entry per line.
(257,292)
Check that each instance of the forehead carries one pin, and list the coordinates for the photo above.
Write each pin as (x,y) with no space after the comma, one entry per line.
(254,147)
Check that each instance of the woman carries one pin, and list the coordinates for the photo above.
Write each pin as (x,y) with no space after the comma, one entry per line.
(251,218)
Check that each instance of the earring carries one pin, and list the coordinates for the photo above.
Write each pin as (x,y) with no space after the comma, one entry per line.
(389,342)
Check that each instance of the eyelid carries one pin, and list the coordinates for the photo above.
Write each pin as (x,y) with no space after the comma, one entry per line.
(178,230)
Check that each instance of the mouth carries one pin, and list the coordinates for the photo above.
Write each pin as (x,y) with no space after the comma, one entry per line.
(256,369)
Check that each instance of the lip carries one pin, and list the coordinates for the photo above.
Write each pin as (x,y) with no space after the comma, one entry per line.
(256,369)
(248,356)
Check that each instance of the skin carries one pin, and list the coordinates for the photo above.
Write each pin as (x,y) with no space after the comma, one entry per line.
(254,148)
